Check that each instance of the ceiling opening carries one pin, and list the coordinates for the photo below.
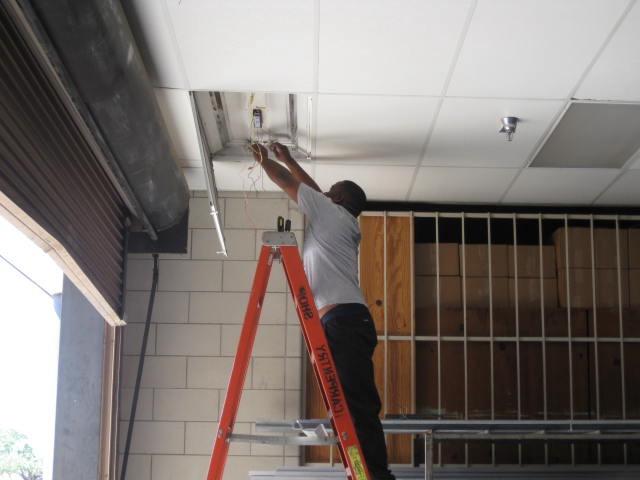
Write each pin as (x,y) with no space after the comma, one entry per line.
(233,120)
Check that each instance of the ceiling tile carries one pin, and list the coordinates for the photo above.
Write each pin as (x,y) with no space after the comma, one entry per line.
(566,186)
(175,106)
(466,132)
(152,31)
(369,129)
(388,47)
(461,185)
(534,49)
(624,191)
(246,45)
(592,135)
(379,182)
(616,74)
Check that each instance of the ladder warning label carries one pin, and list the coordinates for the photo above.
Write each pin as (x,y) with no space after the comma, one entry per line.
(325,366)
(356,463)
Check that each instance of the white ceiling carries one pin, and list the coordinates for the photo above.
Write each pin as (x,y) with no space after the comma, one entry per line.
(406,97)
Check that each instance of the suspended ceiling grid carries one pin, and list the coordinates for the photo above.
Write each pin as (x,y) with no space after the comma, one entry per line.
(406,96)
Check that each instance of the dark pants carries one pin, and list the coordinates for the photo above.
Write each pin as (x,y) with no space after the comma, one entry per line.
(352,338)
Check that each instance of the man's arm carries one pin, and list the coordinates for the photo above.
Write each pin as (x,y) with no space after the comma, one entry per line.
(276,172)
(282,153)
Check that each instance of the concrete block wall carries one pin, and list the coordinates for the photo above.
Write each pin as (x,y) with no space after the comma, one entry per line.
(198,313)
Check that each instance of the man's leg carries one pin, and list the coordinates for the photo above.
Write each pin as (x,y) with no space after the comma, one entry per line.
(352,342)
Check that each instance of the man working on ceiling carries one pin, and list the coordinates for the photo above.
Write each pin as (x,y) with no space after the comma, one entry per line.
(330,257)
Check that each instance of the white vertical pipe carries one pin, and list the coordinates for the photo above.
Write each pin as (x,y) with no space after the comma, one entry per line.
(438,333)
(543,332)
(568,286)
(517,307)
(491,373)
(385,310)
(595,327)
(464,324)
(621,333)
(413,320)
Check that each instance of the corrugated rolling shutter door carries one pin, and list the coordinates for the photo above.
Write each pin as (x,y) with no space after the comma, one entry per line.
(49,171)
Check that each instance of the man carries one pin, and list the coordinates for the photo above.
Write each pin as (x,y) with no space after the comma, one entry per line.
(330,257)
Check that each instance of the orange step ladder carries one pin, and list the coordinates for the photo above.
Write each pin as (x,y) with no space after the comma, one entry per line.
(282,245)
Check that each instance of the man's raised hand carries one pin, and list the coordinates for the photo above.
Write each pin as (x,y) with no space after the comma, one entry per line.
(280,151)
(259,152)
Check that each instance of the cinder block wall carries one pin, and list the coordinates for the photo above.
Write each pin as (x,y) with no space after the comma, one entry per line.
(196,324)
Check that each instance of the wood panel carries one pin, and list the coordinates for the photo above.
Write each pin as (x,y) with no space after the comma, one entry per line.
(427,379)
(610,380)
(531,381)
(558,380)
(584,386)
(479,368)
(479,453)
(399,399)
(399,283)
(533,452)
(505,380)
(608,321)
(372,267)
(632,380)
(452,354)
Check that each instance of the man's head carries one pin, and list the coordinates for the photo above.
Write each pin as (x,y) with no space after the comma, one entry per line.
(348,195)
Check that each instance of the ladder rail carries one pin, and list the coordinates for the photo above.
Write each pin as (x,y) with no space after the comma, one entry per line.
(285,248)
(240,365)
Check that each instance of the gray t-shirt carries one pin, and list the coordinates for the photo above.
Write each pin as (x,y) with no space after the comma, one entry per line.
(330,252)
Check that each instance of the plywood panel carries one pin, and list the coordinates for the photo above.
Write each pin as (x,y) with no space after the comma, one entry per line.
(584,387)
(398,261)
(478,322)
(608,321)
(453,452)
(612,453)
(505,380)
(530,322)
(427,379)
(559,453)
(452,354)
(558,380)
(504,322)
(586,453)
(609,376)
(479,368)
(506,453)
(631,321)
(452,380)
(531,381)
(372,267)
(533,452)
(632,380)
(479,453)
(399,399)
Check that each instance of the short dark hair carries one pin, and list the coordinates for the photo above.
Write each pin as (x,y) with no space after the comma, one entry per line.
(355,198)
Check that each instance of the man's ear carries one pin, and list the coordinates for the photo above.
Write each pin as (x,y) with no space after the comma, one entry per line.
(338,197)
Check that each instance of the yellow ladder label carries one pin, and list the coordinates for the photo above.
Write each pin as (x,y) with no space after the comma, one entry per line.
(356,463)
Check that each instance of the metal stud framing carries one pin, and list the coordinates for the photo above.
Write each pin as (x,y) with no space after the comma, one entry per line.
(543,339)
